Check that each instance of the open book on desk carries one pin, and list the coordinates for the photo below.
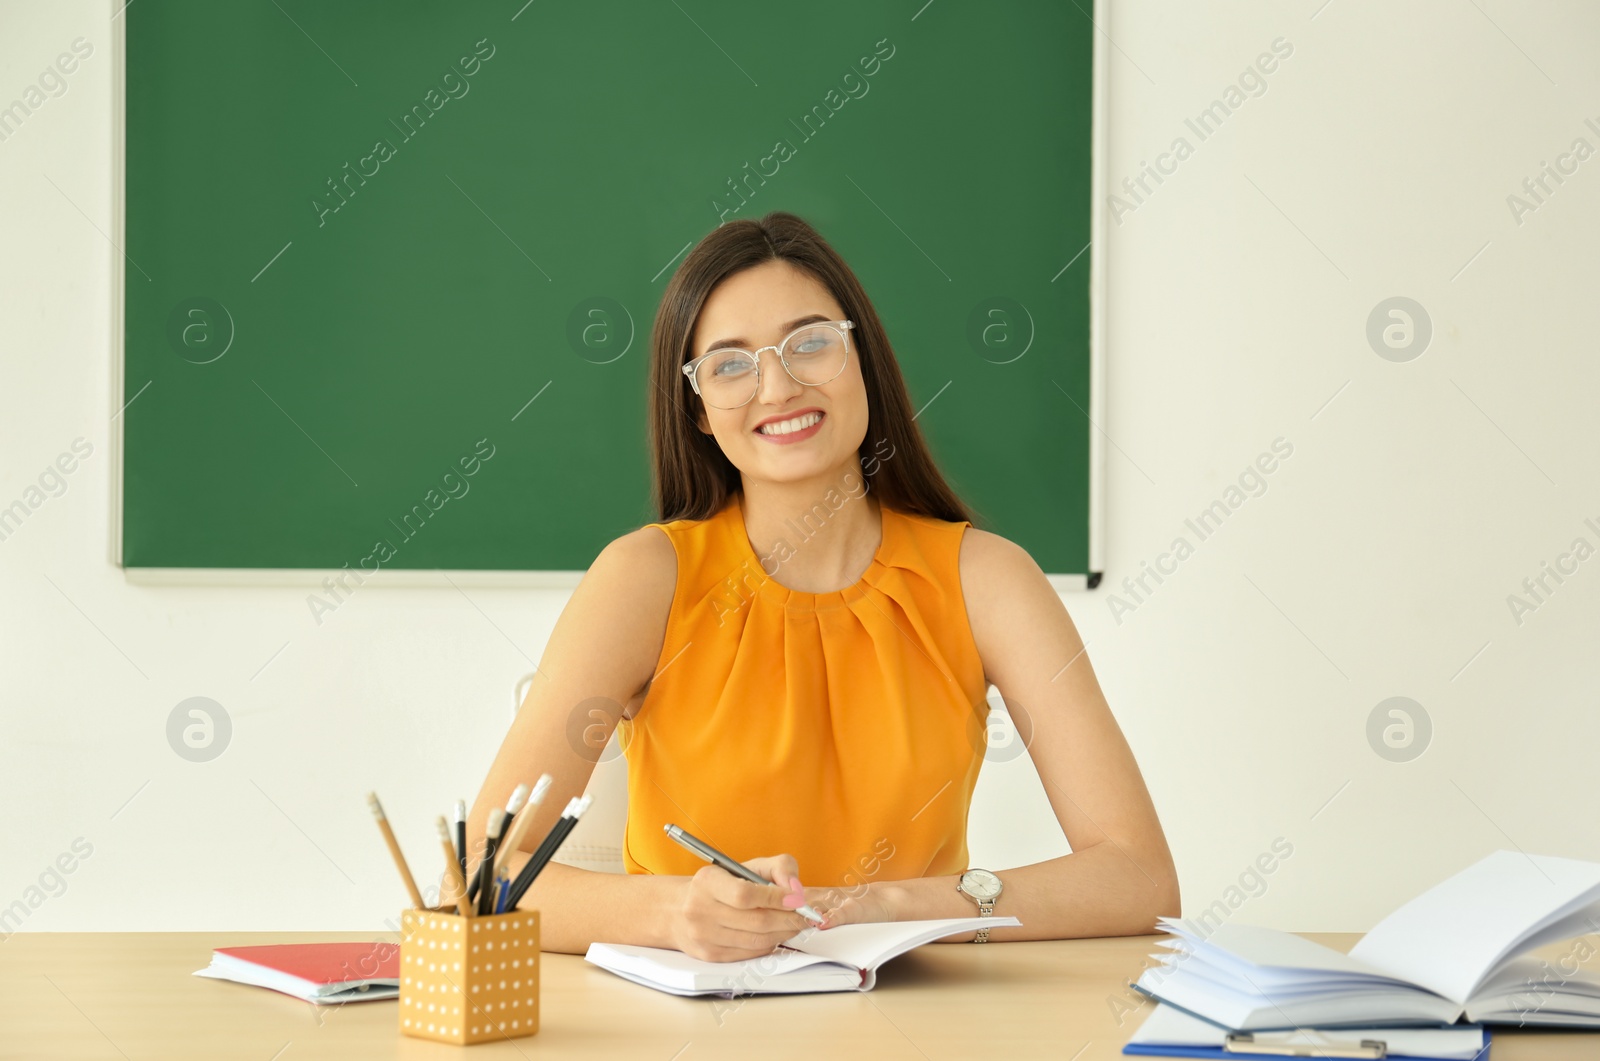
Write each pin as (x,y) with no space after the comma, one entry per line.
(845,958)
(1452,952)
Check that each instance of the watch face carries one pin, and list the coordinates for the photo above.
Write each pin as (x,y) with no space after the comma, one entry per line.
(980,884)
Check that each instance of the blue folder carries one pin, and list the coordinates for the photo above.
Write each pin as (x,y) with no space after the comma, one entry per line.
(1171,1032)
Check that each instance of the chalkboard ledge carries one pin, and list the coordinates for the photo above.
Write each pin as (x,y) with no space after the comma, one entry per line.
(312,578)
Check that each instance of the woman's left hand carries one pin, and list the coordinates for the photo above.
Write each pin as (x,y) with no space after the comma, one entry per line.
(849,906)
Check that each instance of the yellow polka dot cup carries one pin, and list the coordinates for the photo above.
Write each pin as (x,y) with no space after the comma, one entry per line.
(469,980)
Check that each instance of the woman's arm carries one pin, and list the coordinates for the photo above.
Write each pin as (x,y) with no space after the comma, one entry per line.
(1120,875)
(578,907)
(600,656)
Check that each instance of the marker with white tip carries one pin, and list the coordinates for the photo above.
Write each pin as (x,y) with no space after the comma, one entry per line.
(513,836)
(563,827)
(461,836)
(497,821)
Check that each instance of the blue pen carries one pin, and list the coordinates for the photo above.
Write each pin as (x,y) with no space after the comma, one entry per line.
(500,903)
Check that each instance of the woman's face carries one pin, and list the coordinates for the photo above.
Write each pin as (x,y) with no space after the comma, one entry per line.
(759,307)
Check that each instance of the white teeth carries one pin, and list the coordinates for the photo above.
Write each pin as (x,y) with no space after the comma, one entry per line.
(785,427)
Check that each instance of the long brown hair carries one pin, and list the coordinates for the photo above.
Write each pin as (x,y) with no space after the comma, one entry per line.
(692,477)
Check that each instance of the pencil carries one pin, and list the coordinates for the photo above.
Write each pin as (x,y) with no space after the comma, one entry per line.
(452,870)
(394,849)
(519,827)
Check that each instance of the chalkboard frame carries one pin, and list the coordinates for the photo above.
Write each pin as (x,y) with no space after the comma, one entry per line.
(563,579)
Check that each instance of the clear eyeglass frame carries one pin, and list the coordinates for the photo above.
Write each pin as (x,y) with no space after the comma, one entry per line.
(843,327)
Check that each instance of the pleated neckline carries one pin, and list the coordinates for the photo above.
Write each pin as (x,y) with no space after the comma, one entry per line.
(775,591)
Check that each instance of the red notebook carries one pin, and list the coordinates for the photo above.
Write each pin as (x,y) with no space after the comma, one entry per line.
(323,973)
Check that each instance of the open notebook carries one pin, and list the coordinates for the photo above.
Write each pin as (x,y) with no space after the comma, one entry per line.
(845,958)
(1452,952)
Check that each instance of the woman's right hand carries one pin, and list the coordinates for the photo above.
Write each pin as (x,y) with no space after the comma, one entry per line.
(723,918)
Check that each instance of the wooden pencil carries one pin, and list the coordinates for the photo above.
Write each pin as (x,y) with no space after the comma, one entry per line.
(452,869)
(394,850)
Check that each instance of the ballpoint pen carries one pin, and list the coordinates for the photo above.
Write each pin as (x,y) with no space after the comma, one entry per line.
(717,858)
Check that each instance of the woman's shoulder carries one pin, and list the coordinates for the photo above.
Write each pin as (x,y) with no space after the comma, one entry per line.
(981,553)
(646,550)
(994,569)
(660,554)
(990,560)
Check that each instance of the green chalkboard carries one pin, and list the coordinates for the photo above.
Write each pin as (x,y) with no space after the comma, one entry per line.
(373,246)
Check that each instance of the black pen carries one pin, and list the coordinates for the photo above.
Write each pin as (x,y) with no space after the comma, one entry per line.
(519,796)
(461,838)
(497,820)
(717,858)
(564,825)
(514,804)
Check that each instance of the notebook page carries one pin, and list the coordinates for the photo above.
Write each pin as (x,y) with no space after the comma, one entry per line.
(1449,938)
(675,969)
(1269,948)
(867,946)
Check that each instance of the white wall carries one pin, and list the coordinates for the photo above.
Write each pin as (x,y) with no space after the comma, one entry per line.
(1376,163)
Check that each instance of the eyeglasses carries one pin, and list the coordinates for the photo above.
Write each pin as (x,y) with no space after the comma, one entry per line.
(812,355)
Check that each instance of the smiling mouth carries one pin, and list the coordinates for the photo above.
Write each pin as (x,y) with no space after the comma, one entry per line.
(793,426)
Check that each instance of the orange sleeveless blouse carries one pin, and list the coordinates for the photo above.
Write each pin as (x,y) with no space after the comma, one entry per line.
(844,728)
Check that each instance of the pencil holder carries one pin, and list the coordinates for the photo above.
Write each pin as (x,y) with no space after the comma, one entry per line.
(469,980)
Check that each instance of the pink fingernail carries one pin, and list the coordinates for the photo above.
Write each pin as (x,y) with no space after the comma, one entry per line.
(792,902)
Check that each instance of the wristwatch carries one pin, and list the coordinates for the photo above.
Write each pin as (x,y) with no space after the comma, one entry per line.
(983,888)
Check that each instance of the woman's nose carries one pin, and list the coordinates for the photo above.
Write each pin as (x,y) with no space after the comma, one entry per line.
(776,383)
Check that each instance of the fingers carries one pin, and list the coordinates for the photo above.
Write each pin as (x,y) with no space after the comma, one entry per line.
(781,869)
(714,949)
(743,894)
(728,918)
(723,899)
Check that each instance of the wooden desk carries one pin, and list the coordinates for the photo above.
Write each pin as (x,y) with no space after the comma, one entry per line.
(96,996)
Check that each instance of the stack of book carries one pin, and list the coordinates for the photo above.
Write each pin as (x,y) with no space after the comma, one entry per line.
(1454,958)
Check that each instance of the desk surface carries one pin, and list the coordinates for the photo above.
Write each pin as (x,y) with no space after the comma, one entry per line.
(130,995)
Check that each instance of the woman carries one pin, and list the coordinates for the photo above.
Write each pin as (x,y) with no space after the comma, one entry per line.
(804,644)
